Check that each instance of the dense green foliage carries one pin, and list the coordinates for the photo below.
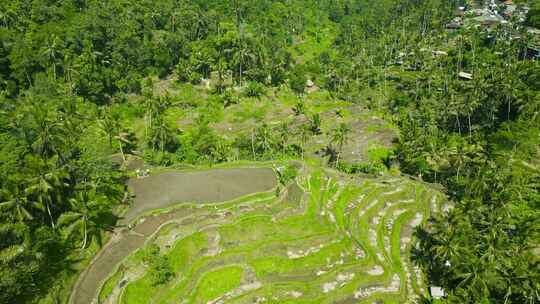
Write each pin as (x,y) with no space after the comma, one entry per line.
(159,268)
(58,189)
(533,16)
(69,71)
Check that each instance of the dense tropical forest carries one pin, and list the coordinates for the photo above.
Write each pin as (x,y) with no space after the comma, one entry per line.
(87,85)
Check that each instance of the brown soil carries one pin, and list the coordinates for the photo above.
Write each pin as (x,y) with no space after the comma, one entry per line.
(167,189)
(356,149)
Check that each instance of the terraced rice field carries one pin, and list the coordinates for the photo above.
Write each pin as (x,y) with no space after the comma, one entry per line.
(324,239)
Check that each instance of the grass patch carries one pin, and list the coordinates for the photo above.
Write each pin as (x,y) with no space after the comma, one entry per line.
(110,284)
(139,292)
(218,282)
(250,110)
(378,153)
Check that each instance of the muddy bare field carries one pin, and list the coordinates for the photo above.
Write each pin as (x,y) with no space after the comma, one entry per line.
(218,185)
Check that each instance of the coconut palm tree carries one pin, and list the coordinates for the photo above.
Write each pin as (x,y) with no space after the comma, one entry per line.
(264,140)
(18,202)
(340,136)
(83,219)
(110,126)
(6,17)
(473,279)
(283,136)
(51,52)
(160,134)
(49,132)
(157,129)
(304,135)
(16,237)
(45,189)
(123,138)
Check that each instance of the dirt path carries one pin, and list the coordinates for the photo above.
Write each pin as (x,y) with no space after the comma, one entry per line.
(161,191)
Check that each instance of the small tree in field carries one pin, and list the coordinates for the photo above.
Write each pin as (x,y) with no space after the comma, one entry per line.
(340,136)
(315,124)
(297,81)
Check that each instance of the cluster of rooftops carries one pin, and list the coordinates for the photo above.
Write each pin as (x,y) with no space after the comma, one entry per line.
(493,13)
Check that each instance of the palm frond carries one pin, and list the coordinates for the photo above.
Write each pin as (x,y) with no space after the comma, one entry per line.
(10,253)
(67,218)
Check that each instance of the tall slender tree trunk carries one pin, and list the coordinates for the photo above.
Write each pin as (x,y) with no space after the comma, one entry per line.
(219,63)
(50,215)
(458,123)
(85,233)
(507,108)
(240,40)
(253,143)
(240,75)
(470,127)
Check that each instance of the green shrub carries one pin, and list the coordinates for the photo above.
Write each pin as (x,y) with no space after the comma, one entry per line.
(186,73)
(159,158)
(286,174)
(533,16)
(297,81)
(228,98)
(254,89)
(299,108)
(377,153)
(203,145)
(315,124)
(372,168)
(159,267)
